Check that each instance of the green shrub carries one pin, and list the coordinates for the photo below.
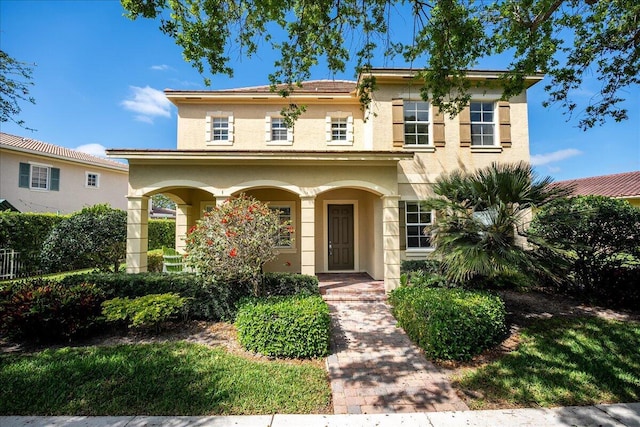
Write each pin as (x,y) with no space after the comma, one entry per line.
(94,237)
(45,310)
(283,284)
(154,261)
(600,237)
(425,265)
(449,323)
(285,326)
(162,232)
(210,301)
(147,311)
(26,232)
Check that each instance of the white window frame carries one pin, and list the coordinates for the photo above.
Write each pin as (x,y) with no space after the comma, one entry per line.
(47,179)
(415,123)
(420,224)
(270,119)
(483,123)
(339,117)
(292,218)
(210,132)
(86,179)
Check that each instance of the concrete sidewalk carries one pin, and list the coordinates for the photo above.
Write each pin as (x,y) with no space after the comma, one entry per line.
(622,415)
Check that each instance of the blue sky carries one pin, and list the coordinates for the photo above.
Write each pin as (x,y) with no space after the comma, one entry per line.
(99,81)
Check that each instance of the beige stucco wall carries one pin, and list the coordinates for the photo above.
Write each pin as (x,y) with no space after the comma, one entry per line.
(250,127)
(73,194)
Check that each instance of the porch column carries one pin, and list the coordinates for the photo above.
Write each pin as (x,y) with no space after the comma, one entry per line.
(137,233)
(183,222)
(307,235)
(391,241)
(221,199)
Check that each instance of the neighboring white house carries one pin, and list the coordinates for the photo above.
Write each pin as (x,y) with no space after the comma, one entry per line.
(39,177)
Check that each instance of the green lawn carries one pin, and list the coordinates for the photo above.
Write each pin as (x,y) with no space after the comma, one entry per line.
(563,361)
(156,379)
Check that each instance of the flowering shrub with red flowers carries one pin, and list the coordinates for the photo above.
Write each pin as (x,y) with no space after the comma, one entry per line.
(233,241)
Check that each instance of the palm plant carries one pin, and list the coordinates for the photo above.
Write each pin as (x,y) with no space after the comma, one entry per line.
(482,220)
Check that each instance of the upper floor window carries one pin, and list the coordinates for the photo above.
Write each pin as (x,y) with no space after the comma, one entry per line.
(93,180)
(416,123)
(482,123)
(278,129)
(416,219)
(39,177)
(219,128)
(285,214)
(339,129)
(277,132)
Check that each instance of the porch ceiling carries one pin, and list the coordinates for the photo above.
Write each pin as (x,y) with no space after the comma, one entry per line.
(245,157)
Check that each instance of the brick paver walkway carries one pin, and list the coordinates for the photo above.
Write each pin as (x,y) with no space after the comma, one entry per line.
(374,367)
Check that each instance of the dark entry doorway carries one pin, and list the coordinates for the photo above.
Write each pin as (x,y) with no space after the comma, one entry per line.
(341,245)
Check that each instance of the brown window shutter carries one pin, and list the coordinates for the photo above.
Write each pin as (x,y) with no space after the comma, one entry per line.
(465,127)
(438,127)
(403,226)
(504,114)
(397,114)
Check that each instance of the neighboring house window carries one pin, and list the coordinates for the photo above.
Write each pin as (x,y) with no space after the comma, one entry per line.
(278,129)
(219,128)
(416,219)
(285,214)
(416,123)
(277,132)
(482,123)
(39,177)
(339,130)
(93,180)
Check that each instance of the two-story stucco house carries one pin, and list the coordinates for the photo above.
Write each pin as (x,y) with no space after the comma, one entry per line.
(36,176)
(351,180)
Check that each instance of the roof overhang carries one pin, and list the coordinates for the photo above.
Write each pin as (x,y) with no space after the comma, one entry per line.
(222,97)
(124,168)
(403,75)
(254,157)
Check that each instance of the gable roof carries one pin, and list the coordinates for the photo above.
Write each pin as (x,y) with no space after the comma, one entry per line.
(33,146)
(616,185)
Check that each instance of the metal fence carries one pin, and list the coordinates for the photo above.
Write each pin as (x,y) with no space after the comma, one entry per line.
(9,264)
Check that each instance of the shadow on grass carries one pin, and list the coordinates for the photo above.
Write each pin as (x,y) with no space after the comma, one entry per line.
(155,379)
(564,361)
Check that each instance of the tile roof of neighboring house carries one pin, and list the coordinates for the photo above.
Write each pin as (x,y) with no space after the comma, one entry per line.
(617,185)
(311,86)
(34,146)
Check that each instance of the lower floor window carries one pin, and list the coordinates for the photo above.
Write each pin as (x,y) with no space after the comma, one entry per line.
(416,219)
(285,216)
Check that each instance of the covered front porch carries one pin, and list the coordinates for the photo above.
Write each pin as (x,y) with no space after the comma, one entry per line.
(344,208)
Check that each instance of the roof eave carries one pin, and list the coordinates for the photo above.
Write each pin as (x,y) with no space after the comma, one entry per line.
(123,169)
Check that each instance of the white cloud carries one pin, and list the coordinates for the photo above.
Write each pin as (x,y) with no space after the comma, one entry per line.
(556,156)
(148,103)
(93,149)
(161,67)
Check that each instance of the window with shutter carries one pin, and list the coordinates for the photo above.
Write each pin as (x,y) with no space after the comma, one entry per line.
(219,128)
(23,179)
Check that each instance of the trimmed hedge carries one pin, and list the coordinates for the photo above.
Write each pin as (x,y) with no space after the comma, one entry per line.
(425,265)
(45,310)
(282,284)
(208,302)
(449,324)
(26,232)
(297,326)
(162,232)
(144,312)
(155,261)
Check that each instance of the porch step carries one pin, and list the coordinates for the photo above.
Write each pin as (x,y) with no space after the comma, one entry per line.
(355,297)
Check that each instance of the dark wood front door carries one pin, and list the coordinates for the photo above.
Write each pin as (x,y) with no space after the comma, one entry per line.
(341,237)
